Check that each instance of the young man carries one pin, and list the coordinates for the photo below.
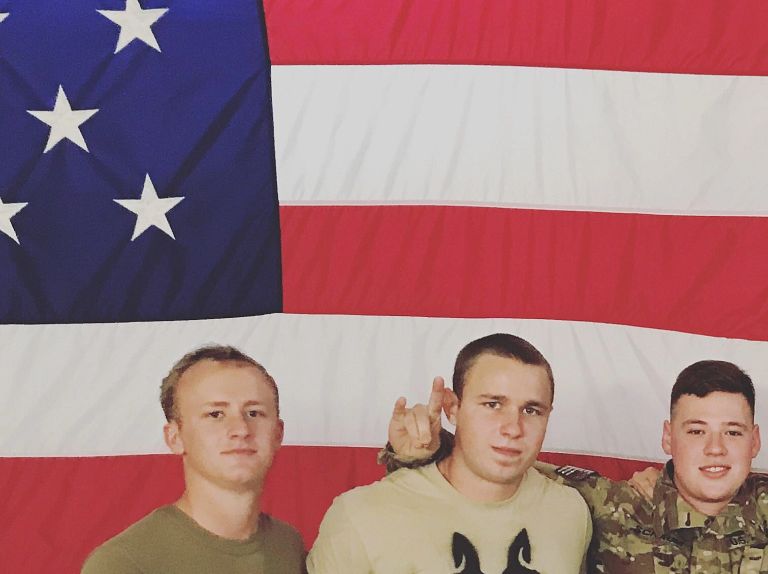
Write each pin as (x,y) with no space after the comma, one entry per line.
(482,509)
(224,422)
(707,513)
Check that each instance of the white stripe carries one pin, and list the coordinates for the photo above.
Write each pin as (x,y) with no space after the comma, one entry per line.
(562,139)
(80,390)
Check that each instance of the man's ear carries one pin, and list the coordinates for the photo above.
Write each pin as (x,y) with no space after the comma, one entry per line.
(173,437)
(666,438)
(755,440)
(279,433)
(450,405)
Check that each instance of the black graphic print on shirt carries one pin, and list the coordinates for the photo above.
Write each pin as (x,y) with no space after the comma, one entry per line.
(467,561)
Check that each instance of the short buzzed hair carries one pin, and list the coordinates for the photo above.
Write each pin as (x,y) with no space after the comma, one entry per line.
(218,353)
(502,345)
(705,377)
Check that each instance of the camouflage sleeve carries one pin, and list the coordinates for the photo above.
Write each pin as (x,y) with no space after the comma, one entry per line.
(761,500)
(621,519)
(388,457)
(594,489)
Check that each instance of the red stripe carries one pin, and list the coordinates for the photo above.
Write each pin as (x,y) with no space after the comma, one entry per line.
(708,37)
(704,275)
(56,510)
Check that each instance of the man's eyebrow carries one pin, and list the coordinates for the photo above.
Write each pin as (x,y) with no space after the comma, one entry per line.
(491,397)
(227,403)
(505,399)
(728,423)
(736,424)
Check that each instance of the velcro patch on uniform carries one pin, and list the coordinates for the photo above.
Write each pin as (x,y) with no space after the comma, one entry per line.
(575,473)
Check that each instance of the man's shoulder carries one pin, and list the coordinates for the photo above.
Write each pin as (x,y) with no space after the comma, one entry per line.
(556,492)
(153,524)
(756,490)
(599,492)
(757,482)
(282,533)
(571,475)
(116,554)
(400,488)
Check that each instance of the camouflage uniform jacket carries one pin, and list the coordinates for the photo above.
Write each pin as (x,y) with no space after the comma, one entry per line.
(666,535)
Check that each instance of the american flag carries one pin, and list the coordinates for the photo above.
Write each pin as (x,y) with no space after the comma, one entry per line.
(350,191)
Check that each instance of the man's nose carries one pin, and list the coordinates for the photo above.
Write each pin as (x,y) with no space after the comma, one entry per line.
(512,426)
(715,444)
(238,425)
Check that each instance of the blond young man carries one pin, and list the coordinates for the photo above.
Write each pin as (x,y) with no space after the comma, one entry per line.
(223,420)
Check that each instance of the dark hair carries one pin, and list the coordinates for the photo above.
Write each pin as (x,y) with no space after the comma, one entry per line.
(705,377)
(501,345)
(219,353)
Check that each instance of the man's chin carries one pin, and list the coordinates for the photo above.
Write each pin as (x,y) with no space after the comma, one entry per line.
(713,493)
(509,474)
(245,480)
(243,486)
(719,495)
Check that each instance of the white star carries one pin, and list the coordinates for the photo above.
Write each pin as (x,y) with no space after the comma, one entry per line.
(135,24)
(150,210)
(8,210)
(3,15)
(64,121)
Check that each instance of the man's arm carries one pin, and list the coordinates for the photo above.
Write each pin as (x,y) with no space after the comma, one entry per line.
(416,438)
(588,483)
(644,481)
(338,547)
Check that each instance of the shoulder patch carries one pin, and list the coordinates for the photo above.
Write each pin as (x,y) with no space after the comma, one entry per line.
(575,473)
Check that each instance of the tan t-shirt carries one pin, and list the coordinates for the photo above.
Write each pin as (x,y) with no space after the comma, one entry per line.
(415,522)
(167,541)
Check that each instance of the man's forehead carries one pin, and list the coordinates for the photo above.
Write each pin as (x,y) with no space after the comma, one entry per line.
(209,375)
(716,406)
(212,367)
(506,376)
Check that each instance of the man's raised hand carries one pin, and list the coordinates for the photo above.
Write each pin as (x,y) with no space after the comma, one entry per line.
(414,432)
(644,481)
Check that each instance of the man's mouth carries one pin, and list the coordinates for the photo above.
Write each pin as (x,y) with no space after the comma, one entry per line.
(507,451)
(240,451)
(715,470)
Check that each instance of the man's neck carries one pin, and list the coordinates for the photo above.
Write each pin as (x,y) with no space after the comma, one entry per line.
(460,476)
(226,513)
(706,508)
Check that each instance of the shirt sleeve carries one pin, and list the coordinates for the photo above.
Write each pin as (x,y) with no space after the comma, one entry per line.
(393,461)
(590,485)
(109,560)
(338,547)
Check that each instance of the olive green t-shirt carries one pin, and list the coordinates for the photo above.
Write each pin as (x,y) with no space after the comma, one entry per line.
(167,541)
